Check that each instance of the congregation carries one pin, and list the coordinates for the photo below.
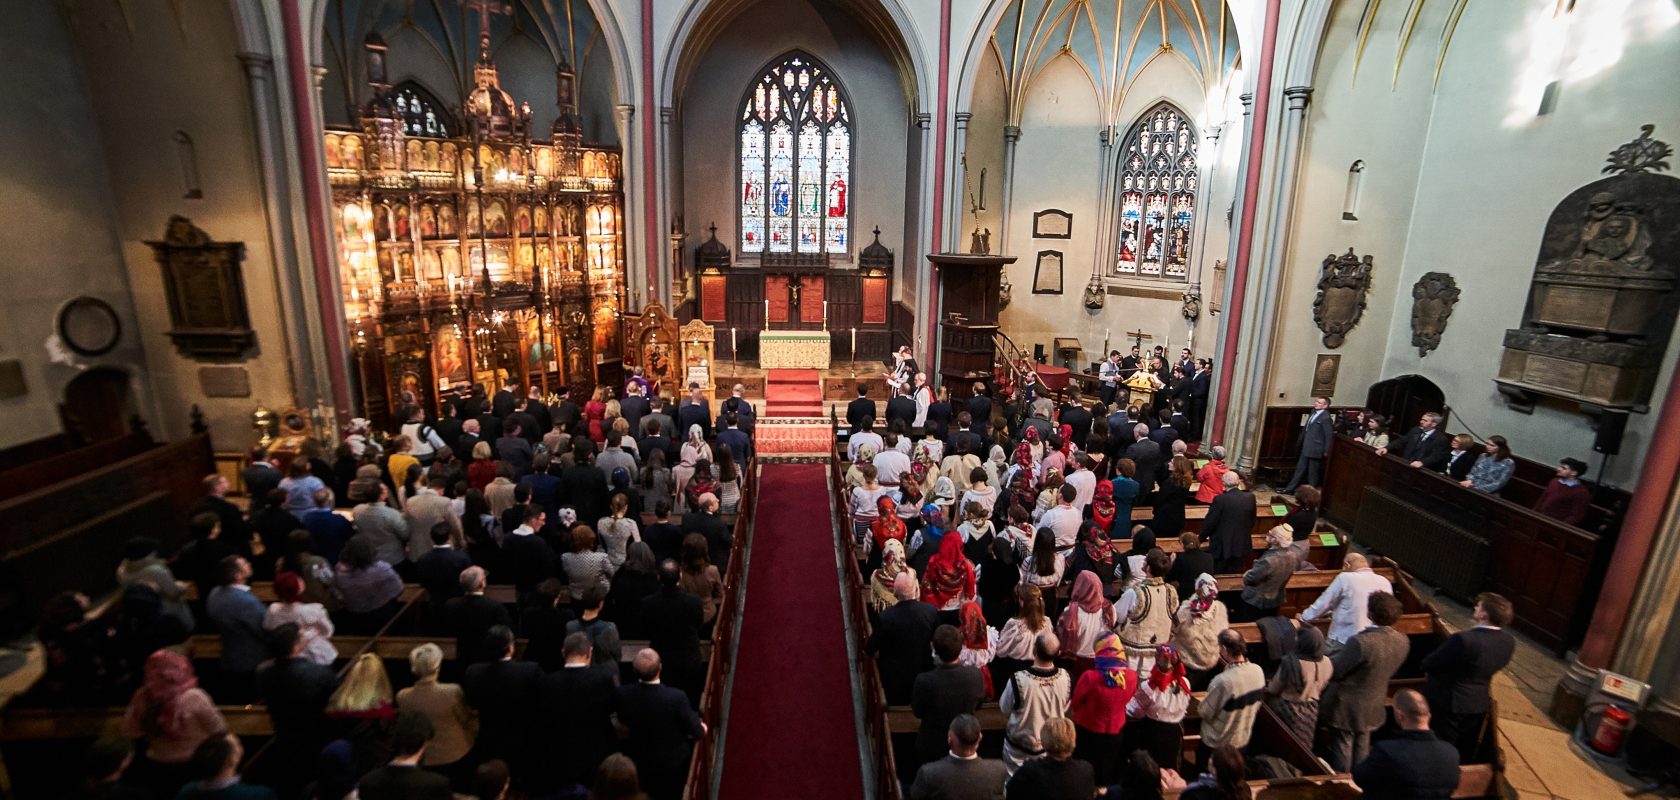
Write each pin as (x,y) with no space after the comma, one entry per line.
(559,539)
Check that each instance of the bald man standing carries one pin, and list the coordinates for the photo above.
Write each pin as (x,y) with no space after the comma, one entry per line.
(1413,763)
(663,728)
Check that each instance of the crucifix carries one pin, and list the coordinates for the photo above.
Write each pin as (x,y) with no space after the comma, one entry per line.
(485,8)
(1138,336)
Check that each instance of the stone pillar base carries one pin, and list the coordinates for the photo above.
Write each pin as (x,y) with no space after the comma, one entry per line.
(1569,697)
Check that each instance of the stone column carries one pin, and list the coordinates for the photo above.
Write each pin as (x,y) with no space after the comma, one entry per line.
(635,270)
(1104,224)
(1259,352)
(1226,301)
(1011,135)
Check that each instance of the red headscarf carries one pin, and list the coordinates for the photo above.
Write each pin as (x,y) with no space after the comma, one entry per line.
(168,675)
(1168,671)
(1097,547)
(1087,597)
(1023,456)
(948,573)
(1067,440)
(973,627)
(887,525)
(288,587)
(1102,507)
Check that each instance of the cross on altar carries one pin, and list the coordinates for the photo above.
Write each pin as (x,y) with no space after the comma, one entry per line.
(1138,336)
(485,8)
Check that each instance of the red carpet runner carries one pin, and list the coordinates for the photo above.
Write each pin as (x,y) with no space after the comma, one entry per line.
(793,393)
(790,732)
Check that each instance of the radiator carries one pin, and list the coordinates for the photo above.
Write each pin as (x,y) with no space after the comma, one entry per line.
(1427,546)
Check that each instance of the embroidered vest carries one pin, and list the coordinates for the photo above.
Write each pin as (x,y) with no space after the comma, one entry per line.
(1150,622)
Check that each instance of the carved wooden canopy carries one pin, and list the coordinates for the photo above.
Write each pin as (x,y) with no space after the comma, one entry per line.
(655,346)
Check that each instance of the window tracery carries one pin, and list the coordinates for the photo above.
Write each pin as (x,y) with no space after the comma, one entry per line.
(795,160)
(1158,185)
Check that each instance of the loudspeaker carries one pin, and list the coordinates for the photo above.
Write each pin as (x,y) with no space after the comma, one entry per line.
(1608,439)
(1038,353)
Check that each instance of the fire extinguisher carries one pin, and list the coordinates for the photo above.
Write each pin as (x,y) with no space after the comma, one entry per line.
(1612,729)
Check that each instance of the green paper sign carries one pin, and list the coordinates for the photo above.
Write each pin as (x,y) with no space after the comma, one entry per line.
(1328,539)
(1280,510)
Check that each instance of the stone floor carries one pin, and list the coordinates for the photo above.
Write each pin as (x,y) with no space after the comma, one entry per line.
(1541,760)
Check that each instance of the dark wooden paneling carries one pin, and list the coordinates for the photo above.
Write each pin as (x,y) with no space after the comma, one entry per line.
(46,472)
(40,449)
(1551,571)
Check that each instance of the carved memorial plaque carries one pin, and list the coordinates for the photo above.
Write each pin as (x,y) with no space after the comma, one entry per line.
(1341,296)
(206,291)
(224,381)
(1433,298)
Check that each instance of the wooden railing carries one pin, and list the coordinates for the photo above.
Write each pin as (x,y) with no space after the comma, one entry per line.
(1550,570)
(876,727)
(703,767)
(25,478)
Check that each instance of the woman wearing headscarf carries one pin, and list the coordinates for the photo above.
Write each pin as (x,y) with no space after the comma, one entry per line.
(1088,615)
(979,642)
(1049,493)
(1156,712)
(174,716)
(1301,677)
(887,527)
(948,581)
(1098,709)
(1103,510)
(893,564)
(1020,464)
(997,466)
(1196,628)
(702,482)
(1029,437)
(1068,447)
(694,450)
(924,467)
(925,542)
(944,497)
(977,535)
(1094,554)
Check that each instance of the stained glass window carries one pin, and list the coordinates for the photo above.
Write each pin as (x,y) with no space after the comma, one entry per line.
(796,161)
(1157,196)
(422,114)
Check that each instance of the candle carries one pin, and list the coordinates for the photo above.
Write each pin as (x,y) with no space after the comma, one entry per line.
(732,343)
(766,312)
(854,344)
(825,315)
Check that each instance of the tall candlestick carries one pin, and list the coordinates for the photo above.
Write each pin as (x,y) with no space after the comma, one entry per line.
(825,315)
(732,350)
(854,344)
(766,313)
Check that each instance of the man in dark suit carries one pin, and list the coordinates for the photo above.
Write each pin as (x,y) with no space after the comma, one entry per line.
(961,774)
(469,438)
(1076,415)
(634,407)
(1164,436)
(1412,763)
(659,413)
(527,422)
(565,413)
(1228,529)
(505,400)
(735,438)
(295,690)
(578,703)
(235,533)
(1423,446)
(704,521)
(1147,454)
(1201,382)
(404,778)
(860,408)
(489,429)
(1130,363)
(260,476)
(735,404)
(538,410)
(980,406)
(965,439)
(238,616)
(1316,433)
(654,439)
(1180,421)
(663,728)
(900,638)
(505,693)
(474,403)
(449,427)
(694,411)
(673,619)
(472,616)
(582,486)
(902,407)
(942,693)
(1460,673)
(514,449)
(1355,702)
(439,571)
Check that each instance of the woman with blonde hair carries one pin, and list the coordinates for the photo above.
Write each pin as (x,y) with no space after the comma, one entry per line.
(482,470)
(361,712)
(455,724)
(595,412)
(617,531)
(621,426)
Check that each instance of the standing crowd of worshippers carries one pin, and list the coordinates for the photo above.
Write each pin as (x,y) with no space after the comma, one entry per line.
(551,503)
(1004,564)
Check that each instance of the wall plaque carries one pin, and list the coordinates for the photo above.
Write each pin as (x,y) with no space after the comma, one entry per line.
(12,383)
(224,381)
(206,292)
(1052,223)
(1047,275)
(1433,298)
(1325,369)
(1341,296)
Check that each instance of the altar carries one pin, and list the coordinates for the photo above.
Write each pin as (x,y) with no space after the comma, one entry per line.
(793,349)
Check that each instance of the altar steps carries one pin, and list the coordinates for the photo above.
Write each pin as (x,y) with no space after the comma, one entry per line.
(793,393)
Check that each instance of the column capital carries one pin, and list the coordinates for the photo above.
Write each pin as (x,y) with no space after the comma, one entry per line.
(320,74)
(963,117)
(924,120)
(1011,133)
(666,114)
(1211,132)
(257,65)
(1247,99)
(626,112)
(1298,96)
(1105,137)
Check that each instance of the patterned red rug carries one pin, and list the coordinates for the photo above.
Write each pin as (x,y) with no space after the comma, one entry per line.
(801,436)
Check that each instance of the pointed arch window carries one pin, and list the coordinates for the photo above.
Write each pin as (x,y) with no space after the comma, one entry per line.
(795,160)
(1158,185)
(422,114)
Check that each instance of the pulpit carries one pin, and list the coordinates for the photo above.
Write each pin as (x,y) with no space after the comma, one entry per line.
(969,306)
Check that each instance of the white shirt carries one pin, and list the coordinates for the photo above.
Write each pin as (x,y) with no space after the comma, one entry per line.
(1345,601)
(858,440)
(890,465)
(1085,483)
(1065,521)
(924,398)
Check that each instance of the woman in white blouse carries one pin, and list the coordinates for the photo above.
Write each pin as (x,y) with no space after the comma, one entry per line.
(315,628)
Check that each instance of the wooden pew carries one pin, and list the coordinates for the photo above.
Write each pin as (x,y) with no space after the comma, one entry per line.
(1319,554)
(397,648)
(1302,590)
